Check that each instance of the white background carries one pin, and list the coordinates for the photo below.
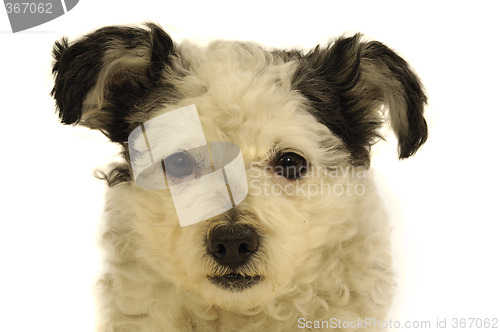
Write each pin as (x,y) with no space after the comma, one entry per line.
(447,196)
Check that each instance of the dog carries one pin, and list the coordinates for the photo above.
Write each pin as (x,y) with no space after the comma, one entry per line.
(307,245)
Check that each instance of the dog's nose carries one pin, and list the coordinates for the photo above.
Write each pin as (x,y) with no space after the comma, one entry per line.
(232,245)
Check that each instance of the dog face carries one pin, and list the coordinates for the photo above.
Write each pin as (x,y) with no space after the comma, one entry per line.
(304,122)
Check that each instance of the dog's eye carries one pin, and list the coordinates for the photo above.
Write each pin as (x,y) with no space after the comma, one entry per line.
(179,165)
(290,165)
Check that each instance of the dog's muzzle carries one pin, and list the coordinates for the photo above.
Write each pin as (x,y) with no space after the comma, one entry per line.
(232,246)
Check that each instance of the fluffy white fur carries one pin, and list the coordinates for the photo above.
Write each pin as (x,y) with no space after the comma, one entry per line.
(322,256)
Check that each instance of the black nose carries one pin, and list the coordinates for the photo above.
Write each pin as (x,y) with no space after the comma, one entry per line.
(232,245)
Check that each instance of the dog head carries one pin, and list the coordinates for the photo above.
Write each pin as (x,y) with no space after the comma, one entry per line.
(298,117)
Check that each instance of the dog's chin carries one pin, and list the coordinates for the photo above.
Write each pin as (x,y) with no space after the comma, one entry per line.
(234,282)
(235,292)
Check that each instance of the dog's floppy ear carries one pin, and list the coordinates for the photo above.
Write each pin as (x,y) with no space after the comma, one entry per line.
(100,77)
(349,82)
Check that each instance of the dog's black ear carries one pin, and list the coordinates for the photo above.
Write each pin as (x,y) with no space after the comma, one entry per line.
(348,83)
(100,77)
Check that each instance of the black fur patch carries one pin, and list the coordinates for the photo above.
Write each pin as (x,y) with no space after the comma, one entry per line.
(127,92)
(78,65)
(347,98)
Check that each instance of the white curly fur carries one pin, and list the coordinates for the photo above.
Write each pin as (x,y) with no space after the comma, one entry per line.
(322,256)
